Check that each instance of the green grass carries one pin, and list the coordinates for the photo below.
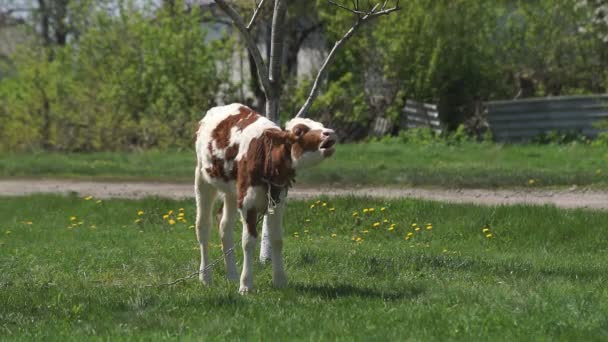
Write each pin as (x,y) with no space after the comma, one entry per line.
(541,276)
(466,165)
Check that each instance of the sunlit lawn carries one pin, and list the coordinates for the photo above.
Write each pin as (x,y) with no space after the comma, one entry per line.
(479,165)
(75,268)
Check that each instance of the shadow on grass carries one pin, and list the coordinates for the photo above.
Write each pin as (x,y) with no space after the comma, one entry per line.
(327,291)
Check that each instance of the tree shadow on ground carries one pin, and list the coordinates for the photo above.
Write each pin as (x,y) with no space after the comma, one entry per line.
(336,291)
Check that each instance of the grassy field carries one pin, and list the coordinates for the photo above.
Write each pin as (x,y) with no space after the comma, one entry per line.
(75,268)
(466,165)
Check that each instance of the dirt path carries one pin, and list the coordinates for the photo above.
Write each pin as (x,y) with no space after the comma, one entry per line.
(562,198)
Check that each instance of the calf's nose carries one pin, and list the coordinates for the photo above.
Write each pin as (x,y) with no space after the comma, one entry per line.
(329,132)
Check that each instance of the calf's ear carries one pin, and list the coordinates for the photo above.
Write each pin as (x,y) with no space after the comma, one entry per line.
(299,131)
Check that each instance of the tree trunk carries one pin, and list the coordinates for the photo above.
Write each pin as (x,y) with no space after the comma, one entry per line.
(254,81)
(273,97)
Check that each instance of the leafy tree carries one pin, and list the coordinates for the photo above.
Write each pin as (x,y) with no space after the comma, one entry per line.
(131,80)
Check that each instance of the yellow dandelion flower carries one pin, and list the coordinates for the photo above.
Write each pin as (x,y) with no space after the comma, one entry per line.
(359,239)
(382,209)
(376,224)
(429,227)
(191,227)
(181,209)
(324,204)
(353,238)
(171,221)
(410,234)
(80,223)
(98,201)
(531,181)
(318,202)
(73,218)
(307,220)
(88,198)
(385,221)
(28,222)
(170,212)
(355,213)
(332,209)
(93,226)
(312,206)
(417,228)
(390,229)
(393,225)
(165,217)
(141,231)
(7,232)
(365,210)
(334,235)
(445,250)
(414,225)
(485,230)
(489,235)
(371,210)
(180,215)
(139,213)
(365,231)
(138,221)
(305,231)
(407,237)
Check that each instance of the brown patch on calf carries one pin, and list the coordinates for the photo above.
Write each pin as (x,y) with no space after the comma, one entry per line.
(221,133)
(220,214)
(251,221)
(217,170)
(231,152)
(268,158)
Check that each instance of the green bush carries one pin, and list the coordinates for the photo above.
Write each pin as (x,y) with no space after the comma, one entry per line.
(128,81)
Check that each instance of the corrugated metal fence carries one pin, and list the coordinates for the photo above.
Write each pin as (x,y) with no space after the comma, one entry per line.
(521,120)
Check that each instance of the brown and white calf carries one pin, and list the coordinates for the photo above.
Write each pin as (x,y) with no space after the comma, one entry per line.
(252,161)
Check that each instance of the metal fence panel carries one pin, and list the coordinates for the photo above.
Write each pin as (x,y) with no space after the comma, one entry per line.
(418,114)
(522,120)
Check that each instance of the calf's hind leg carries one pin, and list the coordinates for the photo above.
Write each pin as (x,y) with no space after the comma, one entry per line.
(227,222)
(249,238)
(205,197)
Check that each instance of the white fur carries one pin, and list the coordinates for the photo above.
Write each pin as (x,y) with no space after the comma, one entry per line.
(310,123)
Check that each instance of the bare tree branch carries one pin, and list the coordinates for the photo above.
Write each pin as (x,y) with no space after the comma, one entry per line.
(373,13)
(276,59)
(354,10)
(255,14)
(250,42)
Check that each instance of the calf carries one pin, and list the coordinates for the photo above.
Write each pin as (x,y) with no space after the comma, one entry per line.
(253,162)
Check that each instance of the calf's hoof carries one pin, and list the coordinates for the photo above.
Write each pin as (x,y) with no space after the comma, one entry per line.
(205,279)
(245,290)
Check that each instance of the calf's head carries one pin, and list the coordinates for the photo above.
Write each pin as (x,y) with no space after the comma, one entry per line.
(313,142)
